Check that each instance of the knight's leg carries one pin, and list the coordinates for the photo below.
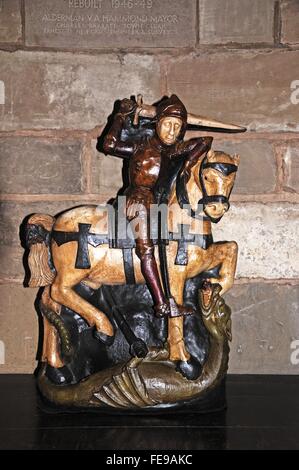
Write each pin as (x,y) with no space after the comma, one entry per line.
(145,250)
(62,292)
(149,269)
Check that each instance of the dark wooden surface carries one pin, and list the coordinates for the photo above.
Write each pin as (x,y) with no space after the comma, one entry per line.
(262,413)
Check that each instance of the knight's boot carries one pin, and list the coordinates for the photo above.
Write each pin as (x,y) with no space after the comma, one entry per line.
(151,275)
(162,307)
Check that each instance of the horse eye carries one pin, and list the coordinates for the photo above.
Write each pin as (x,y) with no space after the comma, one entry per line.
(206,178)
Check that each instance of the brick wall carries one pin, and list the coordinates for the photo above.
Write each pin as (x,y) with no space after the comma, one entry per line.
(62,65)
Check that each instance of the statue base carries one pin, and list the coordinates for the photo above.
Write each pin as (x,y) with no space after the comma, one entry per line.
(213,401)
(134,374)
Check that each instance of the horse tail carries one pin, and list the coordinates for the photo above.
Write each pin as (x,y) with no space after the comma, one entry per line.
(38,238)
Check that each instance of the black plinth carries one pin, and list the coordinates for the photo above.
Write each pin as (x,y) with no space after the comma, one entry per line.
(262,413)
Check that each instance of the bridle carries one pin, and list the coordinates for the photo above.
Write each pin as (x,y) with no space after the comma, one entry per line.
(224,168)
(182,195)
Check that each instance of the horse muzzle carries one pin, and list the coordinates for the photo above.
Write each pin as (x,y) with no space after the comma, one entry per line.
(215,210)
(215,207)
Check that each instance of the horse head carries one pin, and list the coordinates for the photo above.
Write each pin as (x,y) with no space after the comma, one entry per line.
(214,176)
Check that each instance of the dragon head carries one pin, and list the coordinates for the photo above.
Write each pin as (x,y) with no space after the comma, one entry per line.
(216,313)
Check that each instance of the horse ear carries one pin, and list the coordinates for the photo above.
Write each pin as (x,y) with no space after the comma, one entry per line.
(236,159)
(210,153)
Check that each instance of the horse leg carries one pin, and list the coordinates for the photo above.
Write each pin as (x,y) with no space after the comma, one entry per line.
(187,365)
(226,254)
(63,293)
(50,352)
(177,349)
(47,301)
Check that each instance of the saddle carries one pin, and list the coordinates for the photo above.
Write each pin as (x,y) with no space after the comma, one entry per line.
(85,237)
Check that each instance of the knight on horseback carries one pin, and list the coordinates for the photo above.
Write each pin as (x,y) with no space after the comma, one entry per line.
(76,250)
(153,163)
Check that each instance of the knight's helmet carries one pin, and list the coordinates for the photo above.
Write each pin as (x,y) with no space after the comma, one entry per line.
(173,107)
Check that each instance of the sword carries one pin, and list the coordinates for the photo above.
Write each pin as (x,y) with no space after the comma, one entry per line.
(149,111)
(138,347)
(174,311)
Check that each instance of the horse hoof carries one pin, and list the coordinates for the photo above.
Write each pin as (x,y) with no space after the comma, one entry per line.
(179,310)
(186,311)
(59,375)
(105,339)
(190,369)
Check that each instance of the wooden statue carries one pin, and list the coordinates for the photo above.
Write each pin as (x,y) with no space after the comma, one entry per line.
(135,318)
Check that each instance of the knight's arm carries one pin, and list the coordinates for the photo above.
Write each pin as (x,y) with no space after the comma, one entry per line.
(113,145)
(194,148)
(197,146)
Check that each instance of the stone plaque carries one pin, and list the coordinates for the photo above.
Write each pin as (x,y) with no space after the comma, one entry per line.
(98,24)
(237,21)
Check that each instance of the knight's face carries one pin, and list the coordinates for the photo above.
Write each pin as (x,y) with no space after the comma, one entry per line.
(169,129)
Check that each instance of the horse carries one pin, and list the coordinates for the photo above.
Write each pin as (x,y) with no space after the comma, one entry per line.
(209,181)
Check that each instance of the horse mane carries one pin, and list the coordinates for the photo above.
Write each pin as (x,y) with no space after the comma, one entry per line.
(185,172)
(182,180)
(219,156)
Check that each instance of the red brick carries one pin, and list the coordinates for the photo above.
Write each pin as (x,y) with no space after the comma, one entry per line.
(245,87)
(291,167)
(265,325)
(106,173)
(10,21)
(257,169)
(290,22)
(18,329)
(267,236)
(72,91)
(30,165)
